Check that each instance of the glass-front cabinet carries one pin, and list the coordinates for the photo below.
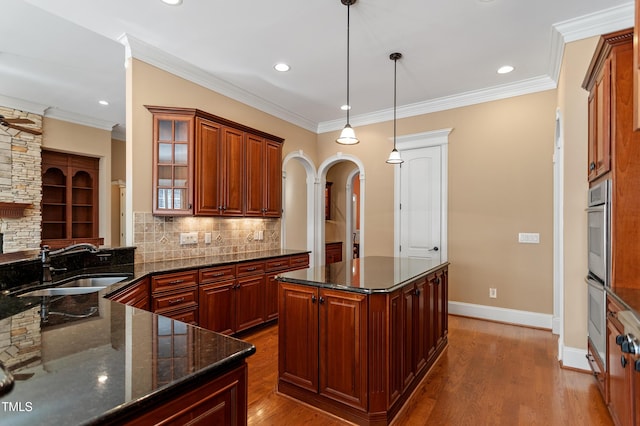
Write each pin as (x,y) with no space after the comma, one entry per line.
(172,155)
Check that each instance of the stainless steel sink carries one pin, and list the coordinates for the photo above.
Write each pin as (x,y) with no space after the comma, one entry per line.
(82,285)
(62,291)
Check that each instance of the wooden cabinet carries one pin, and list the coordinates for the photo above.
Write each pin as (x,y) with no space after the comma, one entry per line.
(175,295)
(621,367)
(615,148)
(221,401)
(333,252)
(69,199)
(326,349)
(172,163)
(264,177)
(209,166)
(136,295)
(360,356)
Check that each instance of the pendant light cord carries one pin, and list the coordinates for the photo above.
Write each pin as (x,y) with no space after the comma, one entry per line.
(395,85)
(348,20)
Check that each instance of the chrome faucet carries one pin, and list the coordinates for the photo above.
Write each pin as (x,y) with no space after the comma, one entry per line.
(46,253)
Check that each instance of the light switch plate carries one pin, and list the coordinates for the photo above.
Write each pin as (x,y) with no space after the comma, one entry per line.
(188,238)
(529,238)
(207,237)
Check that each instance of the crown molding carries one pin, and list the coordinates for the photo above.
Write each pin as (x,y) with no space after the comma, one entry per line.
(135,48)
(473,97)
(83,120)
(22,105)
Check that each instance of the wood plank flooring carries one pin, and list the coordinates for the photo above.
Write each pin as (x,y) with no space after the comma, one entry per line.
(491,374)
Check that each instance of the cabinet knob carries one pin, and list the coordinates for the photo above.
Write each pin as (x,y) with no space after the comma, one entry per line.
(417,292)
(637,365)
(592,166)
(623,361)
(313,298)
(437,281)
(321,300)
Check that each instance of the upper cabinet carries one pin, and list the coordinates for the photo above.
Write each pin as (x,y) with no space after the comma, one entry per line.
(215,168)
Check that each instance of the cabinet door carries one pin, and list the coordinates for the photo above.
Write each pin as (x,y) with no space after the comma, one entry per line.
(273,179)
(172,164)
(249,301)
(217,306)
(343,347)
(600,157)
(298,336)
(620,370)
(271,297)
(255,176)
(208,196)
(233,172)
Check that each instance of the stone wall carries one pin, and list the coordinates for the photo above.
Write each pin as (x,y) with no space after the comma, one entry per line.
(157,238)
(21,182)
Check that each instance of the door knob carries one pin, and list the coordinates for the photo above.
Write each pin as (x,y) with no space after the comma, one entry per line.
(434,249)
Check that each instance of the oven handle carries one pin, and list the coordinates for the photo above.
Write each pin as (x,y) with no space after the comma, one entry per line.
(595,209)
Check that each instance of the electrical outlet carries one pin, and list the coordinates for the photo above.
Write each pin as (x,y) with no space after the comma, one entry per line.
(188,238)
(529,238)
(493,293)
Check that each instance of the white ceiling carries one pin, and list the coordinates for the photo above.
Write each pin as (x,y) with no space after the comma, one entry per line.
(62,56)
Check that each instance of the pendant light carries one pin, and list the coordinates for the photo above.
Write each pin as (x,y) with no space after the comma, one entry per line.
(348,136)
(394,156)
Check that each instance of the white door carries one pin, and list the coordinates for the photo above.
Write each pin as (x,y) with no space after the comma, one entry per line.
(420,203)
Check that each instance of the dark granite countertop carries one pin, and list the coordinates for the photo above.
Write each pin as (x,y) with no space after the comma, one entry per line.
(372,274)
(91,370)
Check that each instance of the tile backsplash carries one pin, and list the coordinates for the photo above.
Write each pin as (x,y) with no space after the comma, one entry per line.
(157,238)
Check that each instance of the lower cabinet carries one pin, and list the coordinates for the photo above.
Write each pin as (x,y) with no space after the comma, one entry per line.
(222,401)
(624,377)
(136,295)
(357,355)
(175,295)
(326,342)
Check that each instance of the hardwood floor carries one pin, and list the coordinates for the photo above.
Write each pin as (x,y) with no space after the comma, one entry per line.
(491,374)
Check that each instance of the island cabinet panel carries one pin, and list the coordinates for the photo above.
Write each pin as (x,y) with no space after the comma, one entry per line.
(298,336)
(343,347)
(360,355)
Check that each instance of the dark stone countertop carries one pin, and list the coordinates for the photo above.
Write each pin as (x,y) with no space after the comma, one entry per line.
(97,369)
(371,274)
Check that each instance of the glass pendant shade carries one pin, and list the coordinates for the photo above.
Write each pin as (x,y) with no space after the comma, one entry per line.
(394,157)
(347,136)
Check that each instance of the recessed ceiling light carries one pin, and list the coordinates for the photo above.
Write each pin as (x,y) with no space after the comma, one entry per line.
(172,2)
(505,69)
(345,107)
(282,67)
(103,102)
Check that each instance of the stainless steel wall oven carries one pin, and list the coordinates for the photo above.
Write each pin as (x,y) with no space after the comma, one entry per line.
(599,263)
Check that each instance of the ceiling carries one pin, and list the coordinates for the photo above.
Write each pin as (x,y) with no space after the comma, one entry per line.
(61,57)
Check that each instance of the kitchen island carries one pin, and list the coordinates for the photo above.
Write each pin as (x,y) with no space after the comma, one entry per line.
(356,337)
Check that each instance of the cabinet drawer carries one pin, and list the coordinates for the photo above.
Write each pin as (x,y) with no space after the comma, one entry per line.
(277,264)
(177,300)
(250,268)
(133,294)
(170,282)
(187,315)
(217,273)
(299,261)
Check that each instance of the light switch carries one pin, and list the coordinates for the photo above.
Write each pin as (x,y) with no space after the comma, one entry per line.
(529,238)
(207,237)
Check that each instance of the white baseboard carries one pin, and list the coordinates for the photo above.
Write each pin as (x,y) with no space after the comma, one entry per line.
(512,316)
(571,357)
(575,358)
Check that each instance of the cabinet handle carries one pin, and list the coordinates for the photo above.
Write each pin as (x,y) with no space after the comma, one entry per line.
(417,292)
(176,282)
(313,298)
(623,361)
(174,301)
(321,300)
(251,269)
(592,166)
(219,274)
(437,281)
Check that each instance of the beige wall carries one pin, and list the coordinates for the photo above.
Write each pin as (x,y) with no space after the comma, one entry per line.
(500,184)
(572,104)
(73,138)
